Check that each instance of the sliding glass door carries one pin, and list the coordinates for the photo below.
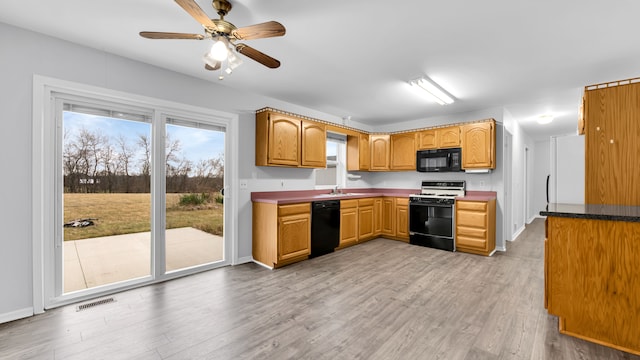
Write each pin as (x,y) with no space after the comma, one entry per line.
(139,196)
(194,194)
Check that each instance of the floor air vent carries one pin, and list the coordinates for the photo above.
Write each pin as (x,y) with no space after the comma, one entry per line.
(94,304)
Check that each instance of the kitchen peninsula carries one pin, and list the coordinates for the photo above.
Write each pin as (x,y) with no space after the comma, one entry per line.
(592,272)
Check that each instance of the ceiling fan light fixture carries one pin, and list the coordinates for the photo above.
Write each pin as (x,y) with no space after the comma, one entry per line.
(209,60)
(433,91)
(220,49)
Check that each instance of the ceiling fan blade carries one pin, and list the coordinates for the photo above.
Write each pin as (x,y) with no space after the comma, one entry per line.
(258,56)
(259,31)
(170,35)
(209,67)
(196,12)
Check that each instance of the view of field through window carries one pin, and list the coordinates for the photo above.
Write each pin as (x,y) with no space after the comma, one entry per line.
(107,166)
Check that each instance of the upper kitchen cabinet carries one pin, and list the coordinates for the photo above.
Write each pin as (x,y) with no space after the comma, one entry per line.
(426,139)
(314,144)
(447,137)
(478,144)
(612,142)
(358,152)
(380,151)
(403,151)
(284,140)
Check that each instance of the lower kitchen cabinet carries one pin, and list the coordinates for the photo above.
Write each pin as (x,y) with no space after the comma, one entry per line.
(348,222)
(377,216)
(476,226)
(365,219)
(402,219)
(395,218)
(388,216)
(281,233)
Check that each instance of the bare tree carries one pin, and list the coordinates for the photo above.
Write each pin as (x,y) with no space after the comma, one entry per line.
(145,162)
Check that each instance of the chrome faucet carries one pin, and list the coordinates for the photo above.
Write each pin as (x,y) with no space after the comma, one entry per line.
(336,190)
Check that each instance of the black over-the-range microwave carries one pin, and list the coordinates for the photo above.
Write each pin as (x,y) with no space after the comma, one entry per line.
(439,160)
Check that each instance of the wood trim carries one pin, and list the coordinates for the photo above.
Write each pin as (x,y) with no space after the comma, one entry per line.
(353,131)
(612,84)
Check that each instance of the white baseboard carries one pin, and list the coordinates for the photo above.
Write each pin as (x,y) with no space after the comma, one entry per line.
(244,260)
(535,217)
(263,265)
(517,233)
(15,315)
(499,248)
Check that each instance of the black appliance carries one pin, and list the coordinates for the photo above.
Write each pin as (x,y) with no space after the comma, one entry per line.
(325,227)
(439,160)
(432,214)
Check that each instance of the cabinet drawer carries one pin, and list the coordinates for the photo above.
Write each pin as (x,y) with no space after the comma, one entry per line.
(472,219)
(346,204)
(365,202)
(402,201)
(472,232)
(472,243)
(284,210)
(472,205)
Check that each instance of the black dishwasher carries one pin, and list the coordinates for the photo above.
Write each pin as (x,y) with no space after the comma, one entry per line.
(325,227)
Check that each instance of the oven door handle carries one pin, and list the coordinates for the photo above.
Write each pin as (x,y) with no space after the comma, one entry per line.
(432,205)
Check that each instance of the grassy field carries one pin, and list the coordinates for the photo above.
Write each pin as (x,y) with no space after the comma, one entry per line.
(130,213)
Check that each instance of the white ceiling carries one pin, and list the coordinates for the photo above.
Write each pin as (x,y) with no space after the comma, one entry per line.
(355,58)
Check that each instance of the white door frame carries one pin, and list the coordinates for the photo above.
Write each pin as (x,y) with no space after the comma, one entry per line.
(45,182)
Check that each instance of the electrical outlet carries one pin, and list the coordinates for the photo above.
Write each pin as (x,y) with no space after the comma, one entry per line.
(244,184)
(481,183)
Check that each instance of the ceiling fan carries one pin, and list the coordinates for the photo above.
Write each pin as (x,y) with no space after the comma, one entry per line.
(225,36)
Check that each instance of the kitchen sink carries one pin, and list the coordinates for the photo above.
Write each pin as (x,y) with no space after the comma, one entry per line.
(335,195)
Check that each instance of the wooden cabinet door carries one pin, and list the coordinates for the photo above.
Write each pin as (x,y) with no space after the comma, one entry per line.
(377,216)
(403,151)
(427,139)
(314,145)
(358,152)
(364,152)
(389,216)
(478,145)
(348,222)
(379,152)
(365,222)
(284,140)
(402,218)
(294,236)
(611,145)
(448,137)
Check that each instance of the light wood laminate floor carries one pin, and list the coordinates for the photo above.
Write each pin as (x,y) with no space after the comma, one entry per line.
(378,300)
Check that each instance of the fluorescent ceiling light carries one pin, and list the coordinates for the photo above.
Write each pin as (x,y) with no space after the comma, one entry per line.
(432,90)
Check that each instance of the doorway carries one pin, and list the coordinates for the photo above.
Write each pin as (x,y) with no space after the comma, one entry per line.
(127,173)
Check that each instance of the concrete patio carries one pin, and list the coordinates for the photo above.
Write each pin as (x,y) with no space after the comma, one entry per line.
(104,260)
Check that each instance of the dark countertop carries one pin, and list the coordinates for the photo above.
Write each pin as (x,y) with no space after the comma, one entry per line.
(594,211)
(298,196)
